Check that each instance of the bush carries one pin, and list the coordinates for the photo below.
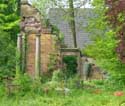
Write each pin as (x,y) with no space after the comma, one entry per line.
(71,65)
(7,56)
(24,82)
(57,75)
(2,90)
(114,83)
(36,87)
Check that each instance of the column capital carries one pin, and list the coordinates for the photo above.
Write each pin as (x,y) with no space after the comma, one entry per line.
(38,34)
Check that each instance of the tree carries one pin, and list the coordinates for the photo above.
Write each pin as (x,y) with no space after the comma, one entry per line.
(103,48)
(68,6)
(72,22)
(8,33)
(9,18)
(116,17)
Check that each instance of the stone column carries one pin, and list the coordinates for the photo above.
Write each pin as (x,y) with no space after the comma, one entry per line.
(19,43)
(19,53)
(24,53)
(37,57)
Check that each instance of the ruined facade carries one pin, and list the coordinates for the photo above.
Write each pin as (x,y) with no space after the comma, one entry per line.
(35,42)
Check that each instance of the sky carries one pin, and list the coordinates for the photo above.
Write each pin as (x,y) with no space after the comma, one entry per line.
(86,6)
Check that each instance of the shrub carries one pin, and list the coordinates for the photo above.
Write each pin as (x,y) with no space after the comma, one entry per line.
(57,75)
(2,90)
(71,65)
(24,82)
(36,87)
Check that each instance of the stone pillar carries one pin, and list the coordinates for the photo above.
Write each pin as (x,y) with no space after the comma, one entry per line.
(24,53)
(19,42)
(19,53)
(37,57)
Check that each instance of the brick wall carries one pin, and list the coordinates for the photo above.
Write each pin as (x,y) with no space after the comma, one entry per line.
(47,47)
(30,67)
(47,44)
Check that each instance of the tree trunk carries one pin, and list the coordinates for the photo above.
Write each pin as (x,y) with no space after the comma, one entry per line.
(72,22)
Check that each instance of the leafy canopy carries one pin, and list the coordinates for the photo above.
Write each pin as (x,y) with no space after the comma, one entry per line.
(103,48)
(9,21)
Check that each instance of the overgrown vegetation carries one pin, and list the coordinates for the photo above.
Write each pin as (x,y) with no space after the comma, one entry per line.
(70,65)
(8,30)
(64,87)
(103,48)
(56,93)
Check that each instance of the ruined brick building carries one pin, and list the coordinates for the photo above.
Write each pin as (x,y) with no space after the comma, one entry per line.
(36,42)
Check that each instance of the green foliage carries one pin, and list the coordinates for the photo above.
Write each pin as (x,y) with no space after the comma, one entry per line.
(71,65)
(51,85)
(2,90)
(77,98)
(75,82)
(53,62)
(103,48)
(58,75)
(7,55)
(8,30)
(27,85)
(23,81)
(42,6)
(9,19)
(35,87)
(35,93)
(59,35)
(45,78)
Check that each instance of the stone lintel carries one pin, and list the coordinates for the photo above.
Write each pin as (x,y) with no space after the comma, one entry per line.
(38,34)
(70,50)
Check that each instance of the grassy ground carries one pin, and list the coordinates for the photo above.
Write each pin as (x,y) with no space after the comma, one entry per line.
(75,98)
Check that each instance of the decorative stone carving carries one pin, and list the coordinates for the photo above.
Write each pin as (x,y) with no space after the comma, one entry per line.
(28,11)
(30,22)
